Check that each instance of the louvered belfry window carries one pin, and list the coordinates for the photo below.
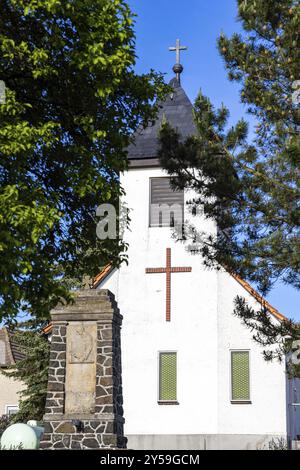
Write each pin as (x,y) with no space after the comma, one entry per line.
(167,376)
(240,375)
(166,205)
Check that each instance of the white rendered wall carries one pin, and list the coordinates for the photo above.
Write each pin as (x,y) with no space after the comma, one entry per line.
(9,392)
(267,412)
(202,331)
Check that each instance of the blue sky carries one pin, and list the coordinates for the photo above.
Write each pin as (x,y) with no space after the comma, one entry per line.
(197,23)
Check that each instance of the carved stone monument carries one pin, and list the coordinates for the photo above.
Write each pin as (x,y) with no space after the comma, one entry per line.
(84,400)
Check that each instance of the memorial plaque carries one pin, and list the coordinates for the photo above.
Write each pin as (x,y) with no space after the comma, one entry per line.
(80,387)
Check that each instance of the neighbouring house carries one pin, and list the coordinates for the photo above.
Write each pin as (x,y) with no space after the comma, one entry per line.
(10,353)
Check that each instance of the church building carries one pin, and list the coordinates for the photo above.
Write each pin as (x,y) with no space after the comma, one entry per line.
(152,356)
(193,377)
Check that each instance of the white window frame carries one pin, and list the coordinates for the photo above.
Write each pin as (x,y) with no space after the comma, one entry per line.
(7,407)
(249,400)
(166,402)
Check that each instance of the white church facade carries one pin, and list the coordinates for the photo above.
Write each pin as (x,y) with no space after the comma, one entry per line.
(193,378)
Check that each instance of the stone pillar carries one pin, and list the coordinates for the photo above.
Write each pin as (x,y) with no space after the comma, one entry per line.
(84,406)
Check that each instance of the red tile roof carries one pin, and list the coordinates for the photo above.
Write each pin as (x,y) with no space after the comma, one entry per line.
(101,276)
(258,297)
(10,351)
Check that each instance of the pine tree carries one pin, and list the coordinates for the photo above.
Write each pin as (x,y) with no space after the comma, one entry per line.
(251,189)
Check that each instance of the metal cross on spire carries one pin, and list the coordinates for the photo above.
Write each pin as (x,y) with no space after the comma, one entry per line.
(178,68)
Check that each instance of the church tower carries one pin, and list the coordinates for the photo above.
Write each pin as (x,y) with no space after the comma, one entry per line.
(192,376)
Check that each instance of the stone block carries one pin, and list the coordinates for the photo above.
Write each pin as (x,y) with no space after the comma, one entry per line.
(85,375)
(55,386)
(66,428)
(90,443)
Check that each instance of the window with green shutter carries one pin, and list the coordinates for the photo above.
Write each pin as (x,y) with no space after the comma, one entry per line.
(240,376)
(167,376)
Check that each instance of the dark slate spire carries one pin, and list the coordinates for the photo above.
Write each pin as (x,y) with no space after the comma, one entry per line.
(177,110)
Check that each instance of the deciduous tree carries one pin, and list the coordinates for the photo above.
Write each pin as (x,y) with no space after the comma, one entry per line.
(72,102)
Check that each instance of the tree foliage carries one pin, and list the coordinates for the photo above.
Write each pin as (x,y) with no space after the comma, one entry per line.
(250,188)
(33,372)
(280,339)
(72,102)
(266,63)
(4,423)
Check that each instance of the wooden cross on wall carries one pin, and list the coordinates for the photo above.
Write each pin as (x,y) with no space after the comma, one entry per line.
(168,270)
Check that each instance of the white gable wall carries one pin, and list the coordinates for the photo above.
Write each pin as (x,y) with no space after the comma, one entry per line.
(202,331)
(267,412)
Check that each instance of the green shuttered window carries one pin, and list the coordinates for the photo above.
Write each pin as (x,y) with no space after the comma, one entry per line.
(240,376)
(167,376)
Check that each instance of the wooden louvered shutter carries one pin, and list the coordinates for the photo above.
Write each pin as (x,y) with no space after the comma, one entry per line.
(240,375)
(166,205)
(167,376)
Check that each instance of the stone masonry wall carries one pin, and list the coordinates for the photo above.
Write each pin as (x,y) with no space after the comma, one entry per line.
(57,370)
(103,426)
